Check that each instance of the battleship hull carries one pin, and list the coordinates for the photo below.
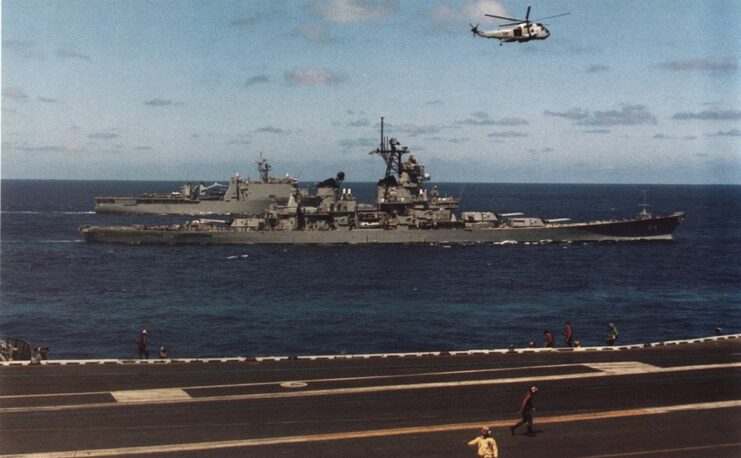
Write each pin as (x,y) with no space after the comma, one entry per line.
(140,206)
(655,228)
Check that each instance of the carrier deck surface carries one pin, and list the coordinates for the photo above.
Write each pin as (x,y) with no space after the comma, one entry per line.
(673,399)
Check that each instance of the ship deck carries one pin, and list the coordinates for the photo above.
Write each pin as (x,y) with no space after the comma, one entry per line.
(677,399)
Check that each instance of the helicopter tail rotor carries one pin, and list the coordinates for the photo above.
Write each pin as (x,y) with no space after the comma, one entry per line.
(474,29)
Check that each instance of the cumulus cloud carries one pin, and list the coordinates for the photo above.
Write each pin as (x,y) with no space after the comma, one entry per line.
(315,34)
(257,79)
(724,65)
(662,137)
(710,115)
(312,77)
(727,133)
(15,93)
(627,115)
(354,10)
(103,135)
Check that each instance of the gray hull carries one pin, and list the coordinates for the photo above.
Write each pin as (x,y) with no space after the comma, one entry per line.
(184,207)
(658,228)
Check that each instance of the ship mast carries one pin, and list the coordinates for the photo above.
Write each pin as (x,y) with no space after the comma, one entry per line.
(392,153)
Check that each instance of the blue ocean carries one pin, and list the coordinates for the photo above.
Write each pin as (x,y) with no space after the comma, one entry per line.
(92,300)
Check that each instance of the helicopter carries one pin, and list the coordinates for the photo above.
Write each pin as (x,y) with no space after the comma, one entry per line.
(523,30)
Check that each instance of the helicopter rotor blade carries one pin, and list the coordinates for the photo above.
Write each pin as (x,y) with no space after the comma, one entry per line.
(503,17)
(527,15)
(513,23)
(551,17)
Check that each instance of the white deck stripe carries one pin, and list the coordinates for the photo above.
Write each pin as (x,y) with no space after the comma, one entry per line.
(614,371)
(200,446)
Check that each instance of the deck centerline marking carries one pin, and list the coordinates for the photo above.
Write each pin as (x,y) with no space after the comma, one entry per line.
(199,446)
(665,450)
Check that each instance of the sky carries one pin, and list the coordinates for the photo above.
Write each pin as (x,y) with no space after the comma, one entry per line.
(622,91)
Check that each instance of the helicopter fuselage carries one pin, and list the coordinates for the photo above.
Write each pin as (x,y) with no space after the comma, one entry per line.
(520,33)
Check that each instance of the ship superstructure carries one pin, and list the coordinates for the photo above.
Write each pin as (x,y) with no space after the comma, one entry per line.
(238,197)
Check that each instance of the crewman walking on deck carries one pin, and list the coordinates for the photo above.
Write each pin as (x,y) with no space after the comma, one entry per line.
(612,334)
(526,410)
(568,335)
(487,445)
(141,342)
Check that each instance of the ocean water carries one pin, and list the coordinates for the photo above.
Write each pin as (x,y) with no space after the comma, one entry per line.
(91,300)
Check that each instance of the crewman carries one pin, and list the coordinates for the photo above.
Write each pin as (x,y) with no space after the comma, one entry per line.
(141,342)
(526,410)
(568,335)
(612,334)
(487,446)
(548,339)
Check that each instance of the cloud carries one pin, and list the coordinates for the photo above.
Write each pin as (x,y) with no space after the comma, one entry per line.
(511,122)
(448,19)
(627,115)
(710,115)
(690,137)
(662,137)
(69,53)
(315,34)
(359,123)
(354,10)
(597,68)
(42,148)
(725,65)
(507,134)
(103,135)
(481,118)
(143,148)
(596,131)
(574,113)
(158,102)
(313,77)
(47,100)
(18,44)
(15,93)
(412,130)
(454,140)
(358,143)
(271,130)
(257,79)
(727,133)
(243,23)
(434,102)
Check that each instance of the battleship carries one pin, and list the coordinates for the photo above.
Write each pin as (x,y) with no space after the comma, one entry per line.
(405,212)
(240,196)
